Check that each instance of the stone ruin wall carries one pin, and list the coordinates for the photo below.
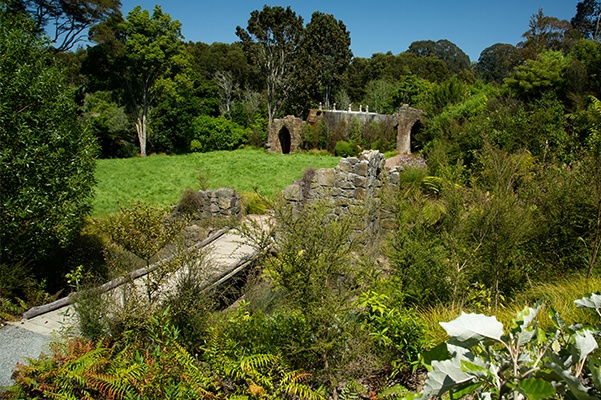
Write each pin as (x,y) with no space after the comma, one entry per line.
(355,181)
(222,202)
(406,120)
(289,125)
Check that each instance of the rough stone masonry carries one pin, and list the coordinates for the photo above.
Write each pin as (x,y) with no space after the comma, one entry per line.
(355,181)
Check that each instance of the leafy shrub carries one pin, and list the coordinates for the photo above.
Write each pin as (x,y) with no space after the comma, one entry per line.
(85,369)
(254,203)
(216,133)
(47,158)
(346,149)
(481,359)
(190,202)
(257,132)
(399,333)
(195,146)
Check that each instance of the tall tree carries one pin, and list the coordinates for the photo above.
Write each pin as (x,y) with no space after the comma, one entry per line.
(147,54)
(545,33)
(326,54)
(588,19)
(271,40)
(66,21)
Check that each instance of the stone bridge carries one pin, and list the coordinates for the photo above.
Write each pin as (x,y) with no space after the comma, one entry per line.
(285,133)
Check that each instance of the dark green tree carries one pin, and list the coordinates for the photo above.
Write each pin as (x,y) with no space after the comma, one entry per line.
(588,19)
(326,55)
(430,67)
(455,59)
(497,62)
(66,21)
(271,41)
(146,54)
(46,157)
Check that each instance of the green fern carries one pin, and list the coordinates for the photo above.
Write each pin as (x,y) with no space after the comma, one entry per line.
(192,374)
(432,184)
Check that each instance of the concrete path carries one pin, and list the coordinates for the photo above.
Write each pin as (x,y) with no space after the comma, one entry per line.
(226,255)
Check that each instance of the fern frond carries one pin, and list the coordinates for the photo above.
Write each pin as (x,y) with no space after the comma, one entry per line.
(192,374)
(295,377)
(394,392)
(112,386)
(300,390)
(255,362)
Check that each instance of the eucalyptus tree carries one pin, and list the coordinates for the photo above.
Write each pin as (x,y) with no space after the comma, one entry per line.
(271,41)
(146,54)
(546,33)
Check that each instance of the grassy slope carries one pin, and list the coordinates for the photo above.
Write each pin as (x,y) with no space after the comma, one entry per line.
(160,180)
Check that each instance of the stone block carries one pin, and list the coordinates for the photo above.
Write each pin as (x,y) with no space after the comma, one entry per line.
(341,202)
(293,193)
(360,181)
(344,166)
(324,177)
(362,167)
(394,178)
(345,184)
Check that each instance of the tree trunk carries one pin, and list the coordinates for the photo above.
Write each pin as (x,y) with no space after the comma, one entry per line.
(141,126)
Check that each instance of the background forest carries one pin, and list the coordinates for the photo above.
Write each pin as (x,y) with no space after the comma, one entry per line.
(507,211)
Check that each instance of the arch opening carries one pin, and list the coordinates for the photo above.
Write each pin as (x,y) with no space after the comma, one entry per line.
(415,141)
(284,137)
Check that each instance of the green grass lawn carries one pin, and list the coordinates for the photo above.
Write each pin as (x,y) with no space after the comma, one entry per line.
(160,180)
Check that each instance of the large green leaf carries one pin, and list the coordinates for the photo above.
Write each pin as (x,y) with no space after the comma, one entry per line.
(593,301)
(470,328)
(585,344)
(522,322)
(444,375)
(593,366)
(536,388)
(438,353)
(572,383)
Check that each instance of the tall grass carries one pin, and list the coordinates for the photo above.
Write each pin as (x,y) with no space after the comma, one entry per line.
(160,180)
(558,296)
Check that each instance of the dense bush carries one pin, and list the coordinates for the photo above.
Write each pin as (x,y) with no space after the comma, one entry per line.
(218,133)
(46,158)
(346,149)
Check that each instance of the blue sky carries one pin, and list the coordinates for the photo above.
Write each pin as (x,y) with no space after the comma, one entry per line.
(375,26)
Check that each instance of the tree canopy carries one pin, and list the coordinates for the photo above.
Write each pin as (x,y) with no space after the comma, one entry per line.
(326,55)
(147,54)
(66,21)
(271,40)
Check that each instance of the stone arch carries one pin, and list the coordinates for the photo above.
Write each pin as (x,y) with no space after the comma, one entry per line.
(408,121)
(284,134)
(284,138)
